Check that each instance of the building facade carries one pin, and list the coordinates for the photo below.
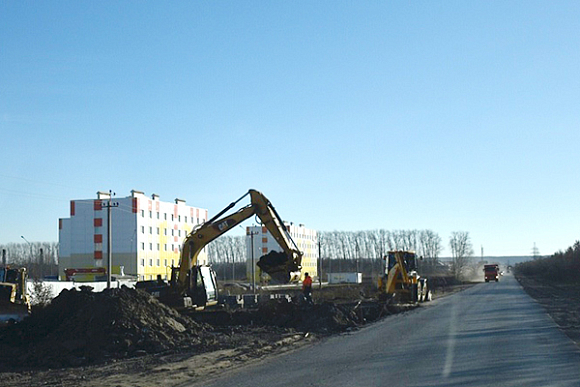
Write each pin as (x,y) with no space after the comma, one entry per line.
(147,234)
(260,242)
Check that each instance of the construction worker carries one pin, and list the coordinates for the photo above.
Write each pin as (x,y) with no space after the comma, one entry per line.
(307,288)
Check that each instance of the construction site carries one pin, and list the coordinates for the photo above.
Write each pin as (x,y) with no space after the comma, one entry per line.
(82,335)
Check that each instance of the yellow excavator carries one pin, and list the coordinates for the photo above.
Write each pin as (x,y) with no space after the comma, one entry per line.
(195,286)
(401,282)
(14,303)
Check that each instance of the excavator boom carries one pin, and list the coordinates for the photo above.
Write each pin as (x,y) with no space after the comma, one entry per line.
(281,266)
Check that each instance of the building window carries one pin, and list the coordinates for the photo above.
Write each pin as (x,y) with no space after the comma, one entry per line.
(157,230)
(179,233)
(142,262)
(150,230)
(157,261)
(186,219)
(142,229)
(165,262)
(142,245)
(150,262)
(166,247)
(172,217)
(157,246)
(165,231)
(179,218)
(142,213)
(158,215)
(150,246)
(165,216)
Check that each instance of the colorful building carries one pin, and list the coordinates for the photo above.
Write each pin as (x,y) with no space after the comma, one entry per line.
(147,234)
(263,242)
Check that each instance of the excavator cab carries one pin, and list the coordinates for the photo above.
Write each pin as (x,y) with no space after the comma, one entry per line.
(201,289)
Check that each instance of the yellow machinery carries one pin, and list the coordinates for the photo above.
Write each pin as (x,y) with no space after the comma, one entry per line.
(401,283)
(194,285)
(14,304)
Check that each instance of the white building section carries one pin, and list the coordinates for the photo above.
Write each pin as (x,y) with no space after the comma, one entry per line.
(263,242)
(147,234)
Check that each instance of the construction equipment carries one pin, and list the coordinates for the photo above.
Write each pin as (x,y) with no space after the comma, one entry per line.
(401,283)
(14,303)
(194,286)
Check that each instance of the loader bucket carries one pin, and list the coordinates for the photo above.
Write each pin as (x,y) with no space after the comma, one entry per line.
(10,312)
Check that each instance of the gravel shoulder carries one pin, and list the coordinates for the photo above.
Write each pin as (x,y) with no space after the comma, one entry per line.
(561,302)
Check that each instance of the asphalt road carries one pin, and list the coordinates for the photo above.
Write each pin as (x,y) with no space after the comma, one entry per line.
(492,334)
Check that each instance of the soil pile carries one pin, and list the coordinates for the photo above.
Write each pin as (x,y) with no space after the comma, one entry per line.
(321,318)
(83,327)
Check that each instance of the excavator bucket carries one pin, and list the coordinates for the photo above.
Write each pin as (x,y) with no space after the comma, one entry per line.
(278,266)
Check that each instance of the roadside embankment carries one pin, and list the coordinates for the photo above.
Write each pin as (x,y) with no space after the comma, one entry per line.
(560,300)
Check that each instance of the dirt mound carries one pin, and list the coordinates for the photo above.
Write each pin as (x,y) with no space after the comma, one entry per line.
(83,327)
(326,317)
(322,318)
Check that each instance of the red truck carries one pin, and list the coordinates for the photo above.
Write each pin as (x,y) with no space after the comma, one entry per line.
(491,272)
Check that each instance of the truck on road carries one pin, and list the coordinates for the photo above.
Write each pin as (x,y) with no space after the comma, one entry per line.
(491,272)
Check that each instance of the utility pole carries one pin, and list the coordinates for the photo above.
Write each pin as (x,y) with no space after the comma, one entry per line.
(251,234)
(319,262)
(109,205)
(535,252)
(30,264)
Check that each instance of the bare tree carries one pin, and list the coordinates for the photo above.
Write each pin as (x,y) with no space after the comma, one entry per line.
(461,251)
(430,247)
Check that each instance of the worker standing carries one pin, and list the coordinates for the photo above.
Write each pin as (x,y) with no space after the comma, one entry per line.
(307,288)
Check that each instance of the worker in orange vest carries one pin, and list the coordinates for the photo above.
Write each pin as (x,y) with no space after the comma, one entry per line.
(307,288)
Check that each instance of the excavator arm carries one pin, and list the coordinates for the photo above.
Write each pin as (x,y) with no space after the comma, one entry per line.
(259,206)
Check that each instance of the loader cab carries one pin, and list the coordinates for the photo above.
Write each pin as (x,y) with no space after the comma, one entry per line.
(409,261)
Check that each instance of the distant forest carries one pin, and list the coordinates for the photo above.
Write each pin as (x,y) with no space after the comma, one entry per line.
(563,266)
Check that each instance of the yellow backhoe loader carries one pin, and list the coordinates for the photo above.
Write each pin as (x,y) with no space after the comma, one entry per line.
(401,283)
(194,286)
(14,303)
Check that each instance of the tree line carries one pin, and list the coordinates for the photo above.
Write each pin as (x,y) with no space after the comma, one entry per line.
(349,251)
(340,251)
(562,266)
(39,258)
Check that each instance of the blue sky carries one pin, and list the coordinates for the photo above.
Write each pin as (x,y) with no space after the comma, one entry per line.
(449,115)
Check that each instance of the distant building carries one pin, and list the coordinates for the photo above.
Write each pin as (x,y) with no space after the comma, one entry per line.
(147,234)
(263,242)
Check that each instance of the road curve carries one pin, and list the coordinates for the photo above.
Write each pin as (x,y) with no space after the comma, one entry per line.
(492,334)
